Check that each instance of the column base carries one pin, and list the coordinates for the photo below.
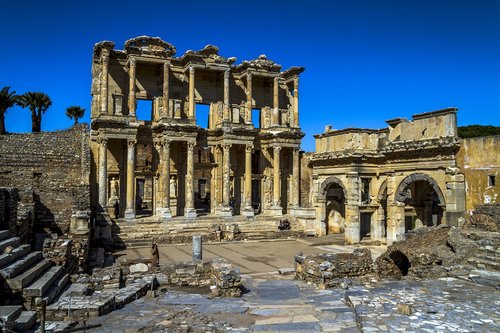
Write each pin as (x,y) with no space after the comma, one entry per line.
(129,214)
(190,213)
(225,212)
(248,212)
(164,213)
(276,210)
(295,210)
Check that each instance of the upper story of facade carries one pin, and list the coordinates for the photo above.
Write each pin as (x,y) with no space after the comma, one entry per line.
(236,94)
(430,134)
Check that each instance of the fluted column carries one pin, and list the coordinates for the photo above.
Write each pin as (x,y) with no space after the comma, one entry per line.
(130,208)
(104,82)
(103,173)
(226,175)
(166,90)
(296,178)
(296,102)
(275,117)
(131,84)
(277,177)
(189,210)
(166,173)
(192,104)
(248,211)
(249,99)
(226,95)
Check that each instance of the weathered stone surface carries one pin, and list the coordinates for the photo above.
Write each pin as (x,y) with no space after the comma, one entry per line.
(138,268)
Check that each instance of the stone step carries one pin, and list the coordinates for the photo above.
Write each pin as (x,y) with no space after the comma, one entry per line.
(7,258)
(43,283)
(13,241)
(24,279)
(25,321)
(57,288)
(10,312)
(4,234)
(21,265)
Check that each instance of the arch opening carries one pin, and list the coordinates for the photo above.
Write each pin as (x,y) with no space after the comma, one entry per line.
(401,261)
(335,209)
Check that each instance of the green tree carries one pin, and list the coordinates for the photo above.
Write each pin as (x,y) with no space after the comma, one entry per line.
(7,100)
(474,131)
(38,103)
(75,113)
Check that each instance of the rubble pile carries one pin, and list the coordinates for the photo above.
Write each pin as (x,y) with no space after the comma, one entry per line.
(66,252)
(486,217)
(329,269)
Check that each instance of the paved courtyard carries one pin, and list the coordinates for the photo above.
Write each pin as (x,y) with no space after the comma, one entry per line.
(250,256)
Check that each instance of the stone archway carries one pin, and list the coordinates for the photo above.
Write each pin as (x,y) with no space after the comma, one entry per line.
(423,201)
(332,198)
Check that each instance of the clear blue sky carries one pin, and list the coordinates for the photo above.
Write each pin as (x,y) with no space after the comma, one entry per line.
(366,61)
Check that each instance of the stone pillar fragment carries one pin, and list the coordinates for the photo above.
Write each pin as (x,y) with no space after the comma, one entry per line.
(248,211)
(249,99)
(130,207)
(296,178)
(166,90)
(104,82)
(296,102)
(103,174)
(192,104)
(165,211)
(352,220)
(189,210)
(455,197)
(131,93)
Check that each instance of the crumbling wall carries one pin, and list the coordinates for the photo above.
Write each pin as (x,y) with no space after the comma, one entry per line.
(305,180)
(479,161)
(16,212)
(55,165)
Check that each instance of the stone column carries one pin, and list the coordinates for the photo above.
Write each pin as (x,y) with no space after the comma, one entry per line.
(395,212)
(166,90)
(296,102)
(189,210)
(276,208)
(296,178)
(226,209)
(249,99)
(130,208)
(104,84)
(165,210)
(103,174)
(275,116)
(455,197)
(248,211)
(226,95)
(192,104)
(131,92)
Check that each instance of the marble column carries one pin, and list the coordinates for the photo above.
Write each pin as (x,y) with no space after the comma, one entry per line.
(352,220)
(277,209)
(249,99)
(275,116)
(131,92)
(189,210)
(103,174)
(166,90)
(130,208)
(248,211)
(104,81)
(226,209)
(165,210)
(227,112)
(296,178)
(192,104)
(296,102)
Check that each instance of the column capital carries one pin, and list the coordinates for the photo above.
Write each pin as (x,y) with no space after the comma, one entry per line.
(276,79)
(166,65)
(191,145)
(132,61)
(296,83)
(158,145)
(102,140)
(226,146)
(166,142)
(191,69)
(296,150)
(131,142)
(105,57)
(277,148)
(227,73)
(248,148)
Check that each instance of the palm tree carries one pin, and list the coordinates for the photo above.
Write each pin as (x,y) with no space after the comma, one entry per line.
(38,103)
(75,113)
(7,100)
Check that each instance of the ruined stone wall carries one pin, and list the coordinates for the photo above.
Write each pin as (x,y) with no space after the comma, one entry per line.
(56,166)
(305,180)
(479,160)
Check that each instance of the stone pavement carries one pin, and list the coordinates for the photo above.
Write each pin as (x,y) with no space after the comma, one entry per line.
(249,256)
(279,304)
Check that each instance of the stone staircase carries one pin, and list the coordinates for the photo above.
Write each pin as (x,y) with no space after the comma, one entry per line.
(488,257)
(142,231)
(25,275)
(14,319)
